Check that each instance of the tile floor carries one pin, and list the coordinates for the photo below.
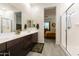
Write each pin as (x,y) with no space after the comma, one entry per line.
(50,49)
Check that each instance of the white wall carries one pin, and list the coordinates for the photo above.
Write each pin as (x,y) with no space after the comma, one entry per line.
(38,17)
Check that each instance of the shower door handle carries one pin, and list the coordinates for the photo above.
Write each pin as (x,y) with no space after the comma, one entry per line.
(69,27)
(65,30)
(69,22)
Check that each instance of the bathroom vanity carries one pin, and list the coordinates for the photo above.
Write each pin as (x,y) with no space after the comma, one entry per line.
(14,40)
(18,44)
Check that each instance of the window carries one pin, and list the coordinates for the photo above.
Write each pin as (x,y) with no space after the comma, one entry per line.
(46,25)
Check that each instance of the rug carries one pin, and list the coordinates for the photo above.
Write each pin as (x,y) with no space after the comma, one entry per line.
(38,47)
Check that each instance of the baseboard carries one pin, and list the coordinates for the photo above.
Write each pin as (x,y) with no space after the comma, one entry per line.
(66,52)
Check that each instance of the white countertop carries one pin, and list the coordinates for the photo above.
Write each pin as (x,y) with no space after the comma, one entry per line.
(4,37)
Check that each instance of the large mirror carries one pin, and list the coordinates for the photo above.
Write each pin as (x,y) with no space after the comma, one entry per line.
(7,21)
(10,21)
(18,20)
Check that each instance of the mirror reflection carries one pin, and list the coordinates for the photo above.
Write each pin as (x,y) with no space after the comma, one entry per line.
(6,21)
(10,21)
(18,21)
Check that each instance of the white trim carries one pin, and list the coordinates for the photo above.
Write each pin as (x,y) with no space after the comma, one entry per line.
(64,49)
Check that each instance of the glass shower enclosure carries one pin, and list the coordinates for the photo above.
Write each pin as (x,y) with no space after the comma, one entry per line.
(70,30)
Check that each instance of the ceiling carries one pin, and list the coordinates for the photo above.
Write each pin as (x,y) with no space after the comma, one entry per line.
(44,5)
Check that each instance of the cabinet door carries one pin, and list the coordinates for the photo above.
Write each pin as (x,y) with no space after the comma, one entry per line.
(27,41)
(21,46)
(35,37)
(15,47)
(2,47)
(12,43)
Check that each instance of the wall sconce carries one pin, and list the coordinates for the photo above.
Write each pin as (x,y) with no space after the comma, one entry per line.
(53,24)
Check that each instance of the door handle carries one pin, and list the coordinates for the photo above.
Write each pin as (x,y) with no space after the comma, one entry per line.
(69,24)
(68,27)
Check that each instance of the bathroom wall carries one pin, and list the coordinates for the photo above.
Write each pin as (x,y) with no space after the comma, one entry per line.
(38,16)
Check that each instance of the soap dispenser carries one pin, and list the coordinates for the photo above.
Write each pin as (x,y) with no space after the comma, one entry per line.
(25,26)
(37,26)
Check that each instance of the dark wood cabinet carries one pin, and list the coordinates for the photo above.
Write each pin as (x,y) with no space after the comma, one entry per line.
(20,46)
(27,41)
(15,46)
(3,49)
(34,38)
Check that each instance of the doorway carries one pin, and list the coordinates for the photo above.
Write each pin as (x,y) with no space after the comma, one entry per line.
(50,23)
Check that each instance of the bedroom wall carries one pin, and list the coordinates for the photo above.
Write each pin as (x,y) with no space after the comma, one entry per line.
(50,15)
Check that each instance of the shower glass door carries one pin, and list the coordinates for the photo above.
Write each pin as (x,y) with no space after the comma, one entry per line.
(73,30)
